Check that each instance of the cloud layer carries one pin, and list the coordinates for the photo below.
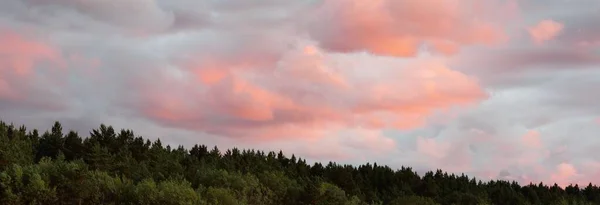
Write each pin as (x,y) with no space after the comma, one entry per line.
(495,88)
(545,30)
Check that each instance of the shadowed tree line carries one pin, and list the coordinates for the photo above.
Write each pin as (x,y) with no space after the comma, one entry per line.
(110,167)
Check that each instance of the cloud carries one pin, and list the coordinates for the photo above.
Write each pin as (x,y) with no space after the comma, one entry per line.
(24,60)
(365,139)
(305,88)
(432,148)
(564,174)
(400,28)
(19,53)
(523,66)
(462,90)
(532,139)
(545,30)
(142,15)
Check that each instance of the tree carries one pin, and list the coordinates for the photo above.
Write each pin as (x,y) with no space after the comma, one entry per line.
(120,168)
(99,158)
(73,146)
(51,143)
(413,200)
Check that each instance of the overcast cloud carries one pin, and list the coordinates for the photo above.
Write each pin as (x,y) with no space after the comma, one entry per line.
(496,88)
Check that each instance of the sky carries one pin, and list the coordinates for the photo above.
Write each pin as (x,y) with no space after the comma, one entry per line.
(496,89)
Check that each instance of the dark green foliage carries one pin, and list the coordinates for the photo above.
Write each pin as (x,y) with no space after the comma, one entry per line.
(16,147)
(111,167)
(414,200)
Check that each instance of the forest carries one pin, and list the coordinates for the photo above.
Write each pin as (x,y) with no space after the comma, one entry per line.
(107,166)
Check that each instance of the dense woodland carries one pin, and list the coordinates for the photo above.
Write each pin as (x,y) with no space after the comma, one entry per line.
(110,167)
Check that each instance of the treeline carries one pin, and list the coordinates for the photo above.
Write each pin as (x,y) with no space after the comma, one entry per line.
(110,167)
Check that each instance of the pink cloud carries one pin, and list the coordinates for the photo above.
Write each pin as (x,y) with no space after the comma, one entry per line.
(432,148)
(545,30)
(312,66)
(19,56)
(365,139)
(446,48)
(426,87)
(211,75)
(400,27)
(450,154)
(532,139)
(244,100)
(564,174)
(5,90)
(306,89)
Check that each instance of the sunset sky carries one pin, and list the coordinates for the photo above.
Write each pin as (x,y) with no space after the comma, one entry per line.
(497,89)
